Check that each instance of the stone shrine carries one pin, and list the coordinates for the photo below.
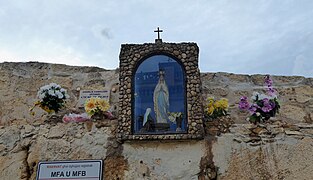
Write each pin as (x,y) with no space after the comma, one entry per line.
(158,81)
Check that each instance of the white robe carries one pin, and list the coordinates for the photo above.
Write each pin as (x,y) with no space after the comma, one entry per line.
(161,102)
(145,119)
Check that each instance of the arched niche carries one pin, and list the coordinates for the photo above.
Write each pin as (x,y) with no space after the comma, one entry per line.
(159,96)
(135,62)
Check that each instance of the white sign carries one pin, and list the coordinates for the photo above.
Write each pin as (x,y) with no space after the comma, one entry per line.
(71,170)
(86,94)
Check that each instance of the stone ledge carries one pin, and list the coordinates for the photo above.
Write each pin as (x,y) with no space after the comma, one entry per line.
(160,137)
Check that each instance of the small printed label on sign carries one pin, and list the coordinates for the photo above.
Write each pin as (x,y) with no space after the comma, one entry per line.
(86,169)
(86,94)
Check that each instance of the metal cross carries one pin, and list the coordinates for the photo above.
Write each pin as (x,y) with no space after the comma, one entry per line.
(158,31)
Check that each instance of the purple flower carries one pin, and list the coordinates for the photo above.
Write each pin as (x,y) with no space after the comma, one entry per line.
(271,91)
(244,98)
(244,104)
(267,105)
(266,108)
(263,106)
(273,105)
(268,81)
(252,109)
(266,101)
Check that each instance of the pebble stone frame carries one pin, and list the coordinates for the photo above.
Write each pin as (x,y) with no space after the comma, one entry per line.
(131,56)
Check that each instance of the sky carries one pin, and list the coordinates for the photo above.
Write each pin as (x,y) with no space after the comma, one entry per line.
(237,36)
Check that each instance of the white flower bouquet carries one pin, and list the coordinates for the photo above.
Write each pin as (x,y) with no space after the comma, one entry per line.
(52,98)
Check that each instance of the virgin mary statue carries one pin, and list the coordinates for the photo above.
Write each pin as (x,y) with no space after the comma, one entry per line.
(161,99)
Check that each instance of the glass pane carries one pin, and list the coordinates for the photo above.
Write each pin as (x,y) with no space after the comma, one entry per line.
(159,97)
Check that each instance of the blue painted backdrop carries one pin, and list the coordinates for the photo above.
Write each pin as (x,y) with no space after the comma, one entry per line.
(146,78)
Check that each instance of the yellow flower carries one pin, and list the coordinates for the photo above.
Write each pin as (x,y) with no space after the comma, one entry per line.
(223,103)
(90,105)
(217,104)
(210,110)
(210,101)
(103,105)
(94,105)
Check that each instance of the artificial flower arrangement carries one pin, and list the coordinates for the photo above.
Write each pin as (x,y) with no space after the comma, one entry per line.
(52,98)
(98,108)
(216,108)
(263,106)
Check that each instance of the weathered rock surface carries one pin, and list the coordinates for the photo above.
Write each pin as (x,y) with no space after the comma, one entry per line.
(168,160)
(276,150)
(20,154)
(288,158)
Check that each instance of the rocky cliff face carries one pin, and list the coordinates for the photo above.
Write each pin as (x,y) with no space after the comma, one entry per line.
(231,149)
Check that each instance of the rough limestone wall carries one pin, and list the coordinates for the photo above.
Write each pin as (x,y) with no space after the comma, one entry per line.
(23,145)
(280,150)
(236,149)
(276,153)
(26,139)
